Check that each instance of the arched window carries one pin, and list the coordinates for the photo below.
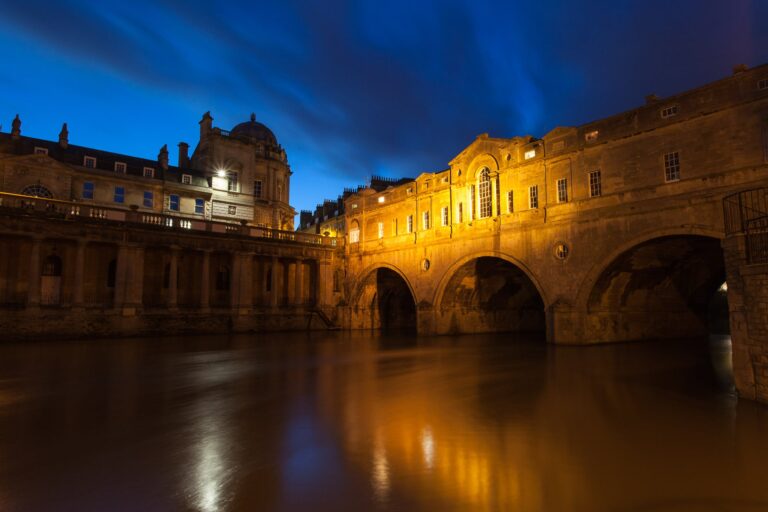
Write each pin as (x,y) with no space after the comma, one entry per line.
(484,193)
(37,191)
(52,266)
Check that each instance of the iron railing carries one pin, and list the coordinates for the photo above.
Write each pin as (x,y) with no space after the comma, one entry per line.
(39,206)
(746,213)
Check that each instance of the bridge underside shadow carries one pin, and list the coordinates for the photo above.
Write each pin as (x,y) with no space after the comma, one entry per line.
(663,288)
(490,294)
(385,303)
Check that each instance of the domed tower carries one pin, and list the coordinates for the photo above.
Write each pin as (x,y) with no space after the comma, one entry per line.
(248,171)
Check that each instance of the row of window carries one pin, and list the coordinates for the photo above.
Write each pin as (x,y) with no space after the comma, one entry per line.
(174,201)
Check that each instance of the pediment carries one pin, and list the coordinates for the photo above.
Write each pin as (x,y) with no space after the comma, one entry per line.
(30,161)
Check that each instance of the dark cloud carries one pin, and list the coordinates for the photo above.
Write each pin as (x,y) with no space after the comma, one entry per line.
(357,88)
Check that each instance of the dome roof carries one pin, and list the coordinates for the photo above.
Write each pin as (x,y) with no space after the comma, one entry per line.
(254,131)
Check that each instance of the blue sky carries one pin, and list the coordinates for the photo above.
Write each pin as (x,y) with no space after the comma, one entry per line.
(355,88)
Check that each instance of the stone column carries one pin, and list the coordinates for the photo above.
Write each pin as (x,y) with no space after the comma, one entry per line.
(173,279)
(324,283)
(245,286)
(273,285)
(33,286)
(205,283)
(120,276)
(290,288)
(134,291)
(79,275)
(234,279)
(299,292)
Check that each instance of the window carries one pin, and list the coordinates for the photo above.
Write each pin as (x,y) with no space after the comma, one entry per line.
(173,202)
(222,278)
(232,209)
(88,190)
(510,202)
(354,235)
(232,183)
(37,191)
(119,194)
(149,199)
(89,162)
(669,111)
(484,193)
(444,215)
(762,84)
(121,167)
(533,197)
(471,203)
(337,276)
(591,136)
(671,167)
(425,220)
(380,227)
(381,199)
(562,190)
(595,185)
(409,223)
(149,172)
(200,206)
(41,151)
(530,154)
(186,179)
(257,187)
(460,214)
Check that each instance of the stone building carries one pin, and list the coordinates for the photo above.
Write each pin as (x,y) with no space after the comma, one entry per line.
(234,176)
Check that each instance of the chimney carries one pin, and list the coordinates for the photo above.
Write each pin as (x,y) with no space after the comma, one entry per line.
(162,157)
(183,154)
(739,68)
(64,136)
(16,127)
(206,124)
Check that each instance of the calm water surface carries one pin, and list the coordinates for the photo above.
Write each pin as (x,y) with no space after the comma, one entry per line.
(355,423)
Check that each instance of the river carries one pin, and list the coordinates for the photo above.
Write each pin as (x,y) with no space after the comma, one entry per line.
(355,422)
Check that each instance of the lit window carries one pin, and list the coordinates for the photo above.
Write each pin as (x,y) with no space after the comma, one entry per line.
(89,162)
(460,214)
(149,199)
(591,136)
(510,202)
(173,202)
(121,167)
(425,220)
(409,223)
(669,111)
(562,190)
(484,192)
(88,190)
(354,235)
(530,154)
(119,194)
(199,206)
(595,184)
(149,172)
(41,151)
(671,167)
(533,197)
(186,179)
(257,187)
(232,209)
(444,215)
(381,229)
(762,84)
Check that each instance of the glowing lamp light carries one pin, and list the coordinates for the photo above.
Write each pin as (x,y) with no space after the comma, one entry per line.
(221,173)
(381,199)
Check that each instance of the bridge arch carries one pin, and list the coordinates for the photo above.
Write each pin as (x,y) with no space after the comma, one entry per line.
(489,292)
(383,298)
(660,284)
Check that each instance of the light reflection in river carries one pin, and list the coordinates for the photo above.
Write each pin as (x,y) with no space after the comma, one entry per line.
(352,422)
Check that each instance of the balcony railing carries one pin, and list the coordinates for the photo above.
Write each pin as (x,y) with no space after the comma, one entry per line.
(39,206)
(747,212)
